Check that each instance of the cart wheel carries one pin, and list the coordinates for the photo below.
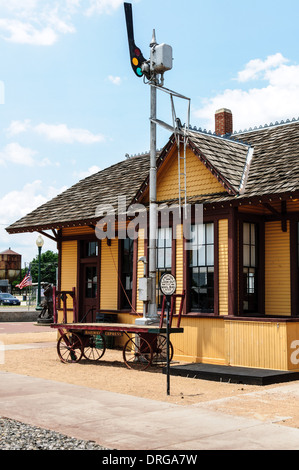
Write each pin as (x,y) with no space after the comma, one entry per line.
(137,353)
(160,351)
(95,348)
(70,348)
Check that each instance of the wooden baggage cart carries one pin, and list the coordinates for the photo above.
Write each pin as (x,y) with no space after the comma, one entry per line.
(146,345)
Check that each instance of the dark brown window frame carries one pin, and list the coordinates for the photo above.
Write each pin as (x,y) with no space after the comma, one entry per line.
(204,266)
(208,218)
(259,221)
(83,259)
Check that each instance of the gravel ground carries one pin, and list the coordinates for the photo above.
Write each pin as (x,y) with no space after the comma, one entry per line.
(15,435)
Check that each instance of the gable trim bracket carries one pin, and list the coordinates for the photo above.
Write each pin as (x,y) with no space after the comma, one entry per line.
(245,175)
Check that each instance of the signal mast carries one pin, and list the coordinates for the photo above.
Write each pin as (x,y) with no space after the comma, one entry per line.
(153,71)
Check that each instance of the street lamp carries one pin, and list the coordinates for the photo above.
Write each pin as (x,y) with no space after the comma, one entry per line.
(39,244)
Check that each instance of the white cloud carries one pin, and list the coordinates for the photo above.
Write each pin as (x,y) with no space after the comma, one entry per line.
(102,6)
(255,67)
(17,127)
(18,155)
(23,7)
(16,204)
(15,153)
(275,100)
(25,33)
(114,80)
(41,22)
(55,132)
(36,22)
(62,133)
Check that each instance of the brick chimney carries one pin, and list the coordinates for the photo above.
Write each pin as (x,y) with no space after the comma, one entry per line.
(223,122)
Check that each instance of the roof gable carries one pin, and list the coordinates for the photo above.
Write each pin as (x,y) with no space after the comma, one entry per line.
(199,179)
(221,163)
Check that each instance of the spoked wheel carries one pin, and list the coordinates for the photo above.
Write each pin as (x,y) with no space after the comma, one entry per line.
(95,348)
(160,351)
(137,353)
(70,348)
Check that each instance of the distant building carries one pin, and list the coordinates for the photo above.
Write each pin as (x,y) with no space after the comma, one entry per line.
(10,268)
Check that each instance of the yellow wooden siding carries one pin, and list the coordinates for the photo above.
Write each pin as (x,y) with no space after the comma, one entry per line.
(179,262)
(68,273)
(109,275)
(140,268)
(199,179)
(293,205)
(277,270)
(203,341)
(223,266)
(246,343)
(67,231)
(256,344)
(252,209)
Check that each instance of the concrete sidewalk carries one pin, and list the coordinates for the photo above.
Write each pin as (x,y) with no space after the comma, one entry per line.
(124,422)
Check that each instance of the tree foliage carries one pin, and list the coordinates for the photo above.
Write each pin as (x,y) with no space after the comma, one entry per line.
(49,263)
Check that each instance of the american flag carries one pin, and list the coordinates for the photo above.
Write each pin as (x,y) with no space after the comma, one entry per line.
(27,281)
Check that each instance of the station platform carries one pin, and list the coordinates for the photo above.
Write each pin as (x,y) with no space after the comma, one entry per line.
(232,374)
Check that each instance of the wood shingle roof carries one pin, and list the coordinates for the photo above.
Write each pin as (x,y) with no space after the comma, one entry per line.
(79,202)
(275,164)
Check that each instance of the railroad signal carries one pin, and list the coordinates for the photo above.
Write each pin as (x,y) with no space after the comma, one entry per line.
(136,56)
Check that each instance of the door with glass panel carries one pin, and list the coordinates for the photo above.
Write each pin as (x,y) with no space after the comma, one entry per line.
(250,268)
(126,273)
(89,301)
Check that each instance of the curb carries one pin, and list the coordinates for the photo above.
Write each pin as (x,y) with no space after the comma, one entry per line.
(21,316)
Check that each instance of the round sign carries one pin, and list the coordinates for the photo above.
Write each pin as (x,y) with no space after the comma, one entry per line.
(167,284)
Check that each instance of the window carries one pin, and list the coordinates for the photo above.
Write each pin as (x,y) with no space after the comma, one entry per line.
(201,268)
(164,255)
(91,282)
(89,249)
(92,249)
(250,265)
(126,273)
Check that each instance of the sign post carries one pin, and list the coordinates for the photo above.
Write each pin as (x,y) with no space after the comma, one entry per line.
(168,288)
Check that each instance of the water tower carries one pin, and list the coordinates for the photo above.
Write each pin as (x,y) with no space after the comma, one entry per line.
(10,267)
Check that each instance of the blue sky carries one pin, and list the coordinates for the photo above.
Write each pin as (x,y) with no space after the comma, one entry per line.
(71,105)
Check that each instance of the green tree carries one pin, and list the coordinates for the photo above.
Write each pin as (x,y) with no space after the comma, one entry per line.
(49,263)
